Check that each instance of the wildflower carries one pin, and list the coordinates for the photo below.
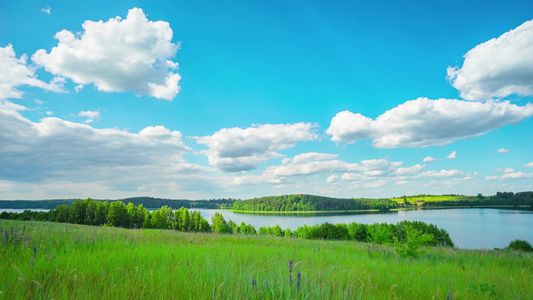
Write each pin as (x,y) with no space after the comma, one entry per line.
(299,278)
(34,251)
(253,281)
(290,266)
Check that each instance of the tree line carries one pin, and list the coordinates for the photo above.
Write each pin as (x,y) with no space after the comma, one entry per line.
(148,202)
(304,202)
(501,198)
(380,233)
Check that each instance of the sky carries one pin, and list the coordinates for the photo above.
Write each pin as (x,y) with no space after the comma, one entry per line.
(242,99)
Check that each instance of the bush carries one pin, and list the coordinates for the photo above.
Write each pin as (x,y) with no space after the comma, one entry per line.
(520,245)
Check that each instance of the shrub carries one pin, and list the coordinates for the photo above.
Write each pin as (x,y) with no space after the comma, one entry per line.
(520,245)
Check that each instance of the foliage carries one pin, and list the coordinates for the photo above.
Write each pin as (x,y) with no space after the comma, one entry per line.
(414,240)
(520,245)
(219,225)
(304,202)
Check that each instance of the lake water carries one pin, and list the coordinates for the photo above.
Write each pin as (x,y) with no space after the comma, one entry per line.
(472,228)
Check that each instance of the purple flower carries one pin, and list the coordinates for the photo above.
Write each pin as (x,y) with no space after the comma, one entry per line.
(290,266)
(299,278)
(253,282)
(34,251)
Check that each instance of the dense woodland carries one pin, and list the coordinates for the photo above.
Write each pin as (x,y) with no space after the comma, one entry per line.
(311,203)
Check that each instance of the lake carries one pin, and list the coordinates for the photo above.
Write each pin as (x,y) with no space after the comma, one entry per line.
(470,228)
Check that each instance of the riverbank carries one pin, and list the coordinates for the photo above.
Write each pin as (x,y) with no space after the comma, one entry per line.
(49,260)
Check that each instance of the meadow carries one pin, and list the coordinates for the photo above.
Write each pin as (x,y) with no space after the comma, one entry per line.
(431,198)
(42,260)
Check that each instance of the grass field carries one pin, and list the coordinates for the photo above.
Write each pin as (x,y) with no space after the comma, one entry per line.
(431,198)
(61,261)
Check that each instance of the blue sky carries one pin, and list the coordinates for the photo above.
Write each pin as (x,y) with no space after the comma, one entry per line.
(212,99)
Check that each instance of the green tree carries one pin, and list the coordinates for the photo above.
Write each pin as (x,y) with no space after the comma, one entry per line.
(118,215)
(77,212)
(413,243)
(62,213)
(90,211)
(218,224)
(100,216)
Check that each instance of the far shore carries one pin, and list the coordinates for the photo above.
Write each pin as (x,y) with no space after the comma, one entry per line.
(373,210)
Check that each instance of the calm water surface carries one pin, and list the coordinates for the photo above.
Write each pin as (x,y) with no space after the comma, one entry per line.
(471,228)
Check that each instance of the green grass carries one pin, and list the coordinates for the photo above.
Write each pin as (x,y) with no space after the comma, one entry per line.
(84,262)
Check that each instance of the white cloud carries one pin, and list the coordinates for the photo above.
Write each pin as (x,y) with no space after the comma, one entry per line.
(16,72)
(503,150)
(332,178)
(497,68)
(508,170)
(312,156)
(510,175)
(442,173)
(530,165)
(78,88)
(118,55)
(352,177)
(430,159)
(39,102)
(91,115)
(377,183)
(424,122)
(452,155)
(516,175)
(57,149)
(47,10)
(410,171)
(237,149)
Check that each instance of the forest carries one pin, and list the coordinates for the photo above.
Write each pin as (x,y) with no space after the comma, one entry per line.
(148,202)
(304,202)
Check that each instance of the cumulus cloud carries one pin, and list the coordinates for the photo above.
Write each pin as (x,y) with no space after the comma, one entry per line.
(452,155)
(497,68)
(430,159)
(530,165)
(47,10)
(16,72)
(503,150)
(133,54)
(54,148)
(237,149)
(424,122)
(91,115)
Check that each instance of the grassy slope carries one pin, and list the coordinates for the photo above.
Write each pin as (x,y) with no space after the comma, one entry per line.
(431,198)
(74,261)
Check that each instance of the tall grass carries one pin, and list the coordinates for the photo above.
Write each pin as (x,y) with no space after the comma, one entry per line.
(63,261)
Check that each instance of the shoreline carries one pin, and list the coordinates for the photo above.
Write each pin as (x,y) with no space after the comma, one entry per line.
(519,207)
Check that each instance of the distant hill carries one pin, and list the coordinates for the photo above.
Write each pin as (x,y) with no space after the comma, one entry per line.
(147,202)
